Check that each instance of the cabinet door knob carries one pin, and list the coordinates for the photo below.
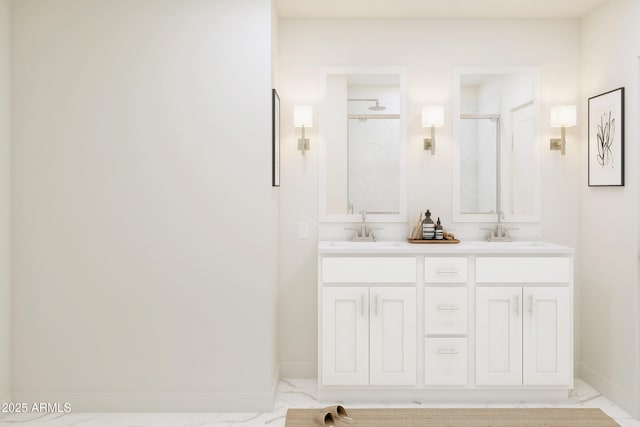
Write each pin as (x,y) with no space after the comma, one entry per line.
(517,309)
(376,305)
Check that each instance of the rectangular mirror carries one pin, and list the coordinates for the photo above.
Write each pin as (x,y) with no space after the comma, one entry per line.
(496,144)
(362,145)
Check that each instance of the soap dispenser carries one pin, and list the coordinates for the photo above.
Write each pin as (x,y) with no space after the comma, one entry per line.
(428,227)
(439,231)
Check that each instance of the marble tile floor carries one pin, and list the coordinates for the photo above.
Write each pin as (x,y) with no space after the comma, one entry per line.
(292,393)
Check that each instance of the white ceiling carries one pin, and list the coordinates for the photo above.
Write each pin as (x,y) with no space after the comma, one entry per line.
(435,8)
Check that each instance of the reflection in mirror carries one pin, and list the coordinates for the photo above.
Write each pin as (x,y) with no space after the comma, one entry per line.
(373,137)
(478,148)
(361,166)
(497,157)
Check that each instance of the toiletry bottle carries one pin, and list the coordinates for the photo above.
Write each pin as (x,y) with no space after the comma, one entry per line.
(428,227)
(439,231)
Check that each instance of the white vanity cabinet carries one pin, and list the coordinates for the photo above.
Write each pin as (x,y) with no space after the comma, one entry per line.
(368,331)
(523,332)
(522,336)
(368,336)
(445,322)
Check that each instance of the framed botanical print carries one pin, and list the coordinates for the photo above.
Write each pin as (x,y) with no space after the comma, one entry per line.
(606,139)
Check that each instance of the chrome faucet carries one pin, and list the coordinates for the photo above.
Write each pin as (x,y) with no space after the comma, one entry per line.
(500,233)
(364,233)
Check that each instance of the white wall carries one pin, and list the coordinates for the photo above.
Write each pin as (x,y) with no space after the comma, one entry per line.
(609,273)
(429,49)
(145,247)
(5,295)
(274,262)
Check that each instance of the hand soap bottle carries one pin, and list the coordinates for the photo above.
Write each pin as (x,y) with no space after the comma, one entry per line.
(428,227)
(439,231)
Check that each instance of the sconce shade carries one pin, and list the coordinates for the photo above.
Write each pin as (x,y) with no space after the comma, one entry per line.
(302,116)
(433,115)
(563,116)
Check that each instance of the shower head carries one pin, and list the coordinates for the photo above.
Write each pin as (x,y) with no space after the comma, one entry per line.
(377,107)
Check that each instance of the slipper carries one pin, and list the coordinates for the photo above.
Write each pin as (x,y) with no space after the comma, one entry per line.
(340,413)
(330,414)
(325,418)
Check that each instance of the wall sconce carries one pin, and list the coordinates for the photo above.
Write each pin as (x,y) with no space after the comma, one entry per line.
(432,117)
(562,116)
(303,118)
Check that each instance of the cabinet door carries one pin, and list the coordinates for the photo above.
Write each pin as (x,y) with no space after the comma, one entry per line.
(499,336)
(546,336)
(393,336)
(345,336)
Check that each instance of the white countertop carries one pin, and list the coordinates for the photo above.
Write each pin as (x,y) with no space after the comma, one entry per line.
(466,247)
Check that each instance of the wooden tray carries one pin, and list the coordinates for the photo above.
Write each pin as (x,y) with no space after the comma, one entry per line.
(438,242)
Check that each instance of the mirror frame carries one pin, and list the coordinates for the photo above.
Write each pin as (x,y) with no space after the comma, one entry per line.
(536,216)
(323,216)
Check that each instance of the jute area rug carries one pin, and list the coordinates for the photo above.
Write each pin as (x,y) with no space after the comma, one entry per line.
(489,417)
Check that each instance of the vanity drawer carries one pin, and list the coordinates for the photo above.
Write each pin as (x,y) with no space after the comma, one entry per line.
(445,269)
(369,270)
(523,270)
(445,310)
(445,361)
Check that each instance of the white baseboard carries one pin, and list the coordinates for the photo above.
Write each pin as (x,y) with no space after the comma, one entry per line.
(161,402)
(275,382)
(444,395)
(624,399)
(298,369)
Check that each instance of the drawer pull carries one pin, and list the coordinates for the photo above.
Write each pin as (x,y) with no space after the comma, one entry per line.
(446,352)
(517,306)
(362,305)
(446,307)
(447,272)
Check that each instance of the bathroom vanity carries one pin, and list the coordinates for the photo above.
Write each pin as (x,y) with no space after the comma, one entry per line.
(472,321)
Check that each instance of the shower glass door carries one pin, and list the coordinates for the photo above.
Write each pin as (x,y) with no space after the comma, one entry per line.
(374,164)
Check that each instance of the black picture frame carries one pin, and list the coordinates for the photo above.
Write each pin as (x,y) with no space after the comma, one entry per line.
(606,139)
(275,139)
